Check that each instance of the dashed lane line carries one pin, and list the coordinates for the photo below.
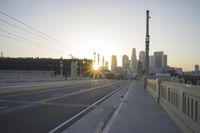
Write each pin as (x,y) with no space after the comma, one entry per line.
(3,107)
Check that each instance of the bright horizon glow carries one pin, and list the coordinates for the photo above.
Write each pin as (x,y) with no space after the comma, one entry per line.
(95,67)
(107,27)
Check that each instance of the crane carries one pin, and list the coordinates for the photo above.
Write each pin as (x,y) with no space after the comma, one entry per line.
(72,56)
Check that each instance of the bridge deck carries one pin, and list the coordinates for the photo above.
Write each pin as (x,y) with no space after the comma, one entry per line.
(139,113)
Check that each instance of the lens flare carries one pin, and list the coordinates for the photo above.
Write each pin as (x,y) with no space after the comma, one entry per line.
(95,67)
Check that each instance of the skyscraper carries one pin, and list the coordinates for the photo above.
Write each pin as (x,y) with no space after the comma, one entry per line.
(113,63)
(151,61)
(133,59)
(158,59)
(196,69)
(125,61)
(164,61)
(106,65)
(142,58)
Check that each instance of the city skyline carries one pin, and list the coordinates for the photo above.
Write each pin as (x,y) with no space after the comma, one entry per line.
(102,26)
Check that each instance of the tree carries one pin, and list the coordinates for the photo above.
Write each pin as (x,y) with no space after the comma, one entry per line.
(139,70)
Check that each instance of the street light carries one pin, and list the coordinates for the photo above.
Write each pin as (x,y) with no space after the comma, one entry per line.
(61,66)
(147,40)
(80,67)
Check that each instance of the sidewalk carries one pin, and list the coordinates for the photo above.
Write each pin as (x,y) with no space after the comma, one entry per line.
(139,113)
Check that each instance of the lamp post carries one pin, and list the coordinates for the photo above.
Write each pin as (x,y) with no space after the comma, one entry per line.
(94,62)
(61,67)
(147,40)
(80,68)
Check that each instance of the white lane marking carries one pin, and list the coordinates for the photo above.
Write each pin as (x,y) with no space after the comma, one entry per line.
(41,91)
(55,95)
(76,92)
(80,113)
(129,90)
(3,107)
(46,90)
(108,126)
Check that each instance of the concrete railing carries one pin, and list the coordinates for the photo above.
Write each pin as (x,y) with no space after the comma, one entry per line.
(181,102)
(152,87)
(26,75)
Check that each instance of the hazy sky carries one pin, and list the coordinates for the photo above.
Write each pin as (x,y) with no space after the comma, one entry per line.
(105,26)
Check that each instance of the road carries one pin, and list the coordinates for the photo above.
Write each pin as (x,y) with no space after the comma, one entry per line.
(51,109)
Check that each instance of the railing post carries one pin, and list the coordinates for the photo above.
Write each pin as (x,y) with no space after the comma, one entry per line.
(158,85)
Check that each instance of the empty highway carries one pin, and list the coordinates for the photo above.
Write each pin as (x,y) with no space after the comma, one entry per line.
(51,109)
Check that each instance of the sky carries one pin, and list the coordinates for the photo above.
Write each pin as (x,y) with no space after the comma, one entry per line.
(107,27)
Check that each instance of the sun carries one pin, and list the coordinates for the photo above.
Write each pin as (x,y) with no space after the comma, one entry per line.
(95,67)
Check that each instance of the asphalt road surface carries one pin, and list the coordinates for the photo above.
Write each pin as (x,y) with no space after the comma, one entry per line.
(47,110)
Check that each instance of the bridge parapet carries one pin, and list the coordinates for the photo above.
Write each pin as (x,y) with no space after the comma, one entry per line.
(181,102)
(153,88)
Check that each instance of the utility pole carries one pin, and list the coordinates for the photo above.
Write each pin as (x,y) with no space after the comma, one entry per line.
(94,58)
(80,63)
(61,66)
(98,59)
(103,62)
(147,40)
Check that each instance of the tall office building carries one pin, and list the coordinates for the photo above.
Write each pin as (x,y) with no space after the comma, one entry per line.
(196,69)
(151,61)
(164,61)
(133,59)
(158,59)
(142,58)
(125,61)
(106,65)
(103,62)
(113,63)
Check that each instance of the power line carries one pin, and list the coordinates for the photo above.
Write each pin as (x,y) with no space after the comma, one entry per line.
(18,27)
(10,37)
(23,42)
(27,40)
(36,30)
(25,30)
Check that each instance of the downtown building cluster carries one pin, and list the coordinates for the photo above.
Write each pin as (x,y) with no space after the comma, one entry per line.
(158,61)
(158,68)
(126,62)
